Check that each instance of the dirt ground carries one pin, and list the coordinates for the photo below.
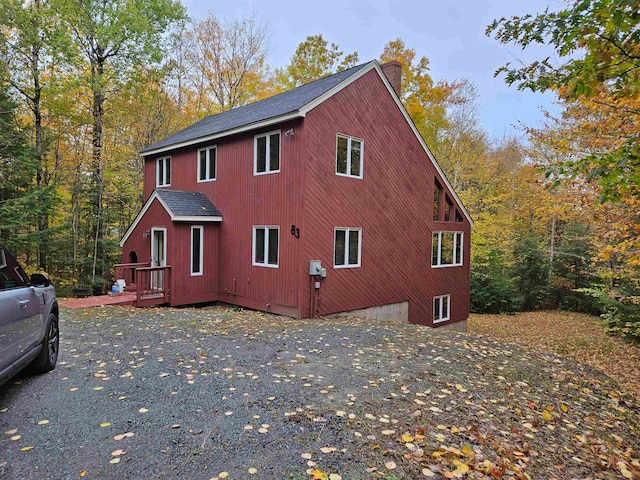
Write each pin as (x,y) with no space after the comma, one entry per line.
(214,393)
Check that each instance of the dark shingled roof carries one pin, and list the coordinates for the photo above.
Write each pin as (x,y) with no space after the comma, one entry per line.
(188,204)
(276,106)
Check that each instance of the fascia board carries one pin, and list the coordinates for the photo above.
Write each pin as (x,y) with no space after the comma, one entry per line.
(226,133)
(195,219)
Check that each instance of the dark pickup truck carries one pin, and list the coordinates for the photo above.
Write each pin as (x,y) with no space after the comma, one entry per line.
(29,334)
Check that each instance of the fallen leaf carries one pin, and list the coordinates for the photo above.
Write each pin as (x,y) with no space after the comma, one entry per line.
(143,410)
(16,437)
(390,465)
(83,473)
(115,460)
(252,471)
(26,449)
(223,474)
(117,453)
(105,424)
(428,473)
(43,422)
(406,438)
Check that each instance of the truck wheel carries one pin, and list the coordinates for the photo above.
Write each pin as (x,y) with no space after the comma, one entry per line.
(46,361)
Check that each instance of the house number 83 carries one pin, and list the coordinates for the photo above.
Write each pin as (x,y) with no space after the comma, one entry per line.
(295,231)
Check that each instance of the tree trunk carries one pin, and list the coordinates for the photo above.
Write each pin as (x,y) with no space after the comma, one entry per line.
(97,71)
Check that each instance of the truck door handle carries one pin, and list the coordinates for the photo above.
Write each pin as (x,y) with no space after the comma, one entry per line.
(23,303)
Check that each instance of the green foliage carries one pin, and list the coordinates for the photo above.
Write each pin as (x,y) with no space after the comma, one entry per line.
(313,59)
(493,288)
(621,312)
(598,42)
(530,271)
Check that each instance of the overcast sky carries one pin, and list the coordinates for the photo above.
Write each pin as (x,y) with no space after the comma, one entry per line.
(449,33)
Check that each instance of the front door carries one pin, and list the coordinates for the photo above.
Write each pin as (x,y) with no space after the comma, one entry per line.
(158,257)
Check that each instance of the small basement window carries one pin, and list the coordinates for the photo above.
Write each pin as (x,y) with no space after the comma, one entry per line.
(441,308)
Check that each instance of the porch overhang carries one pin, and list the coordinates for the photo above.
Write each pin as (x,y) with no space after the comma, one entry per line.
(181,206)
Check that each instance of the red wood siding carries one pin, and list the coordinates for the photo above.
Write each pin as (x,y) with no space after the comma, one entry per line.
(246,200)
(393,204)
(185,288)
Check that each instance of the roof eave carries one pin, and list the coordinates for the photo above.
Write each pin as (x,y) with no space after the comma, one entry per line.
(244,128)
(196,218)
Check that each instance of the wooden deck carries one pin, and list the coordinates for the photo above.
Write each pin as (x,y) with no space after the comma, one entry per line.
(98,301)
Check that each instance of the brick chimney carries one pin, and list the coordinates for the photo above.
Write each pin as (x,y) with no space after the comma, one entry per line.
(393,72)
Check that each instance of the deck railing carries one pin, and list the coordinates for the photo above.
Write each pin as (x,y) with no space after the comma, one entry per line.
(153,285)
(127,272)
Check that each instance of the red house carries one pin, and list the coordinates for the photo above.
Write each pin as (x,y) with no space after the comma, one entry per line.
(319,200)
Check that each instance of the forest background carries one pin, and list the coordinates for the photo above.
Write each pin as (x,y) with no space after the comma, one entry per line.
(84,86)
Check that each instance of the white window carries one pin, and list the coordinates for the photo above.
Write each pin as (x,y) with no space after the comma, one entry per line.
(266,153)
(196,250)
(265,246)
(446,250)
(349,155)
(207,164)
(441,308)
(163,172)
(347,247)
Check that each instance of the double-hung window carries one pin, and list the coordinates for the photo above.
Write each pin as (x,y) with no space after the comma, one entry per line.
(446,250)
(207,164)
(349,156)
(347,247)
(441,308)
(196,250)
(163,172)
(265,246)
(266,153)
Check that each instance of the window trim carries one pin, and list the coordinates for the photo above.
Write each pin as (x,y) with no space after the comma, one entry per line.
(457,262)
(440,318)
(266,246)
(349,138)
(200,272)
(347,231)
(165,160)
(267,152)
(208,177)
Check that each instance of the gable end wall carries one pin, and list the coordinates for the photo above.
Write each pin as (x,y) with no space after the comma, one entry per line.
(393,204)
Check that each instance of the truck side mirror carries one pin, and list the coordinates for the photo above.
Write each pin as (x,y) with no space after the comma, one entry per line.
(40,280)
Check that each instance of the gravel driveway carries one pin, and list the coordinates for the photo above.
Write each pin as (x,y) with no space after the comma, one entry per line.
(221,393)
